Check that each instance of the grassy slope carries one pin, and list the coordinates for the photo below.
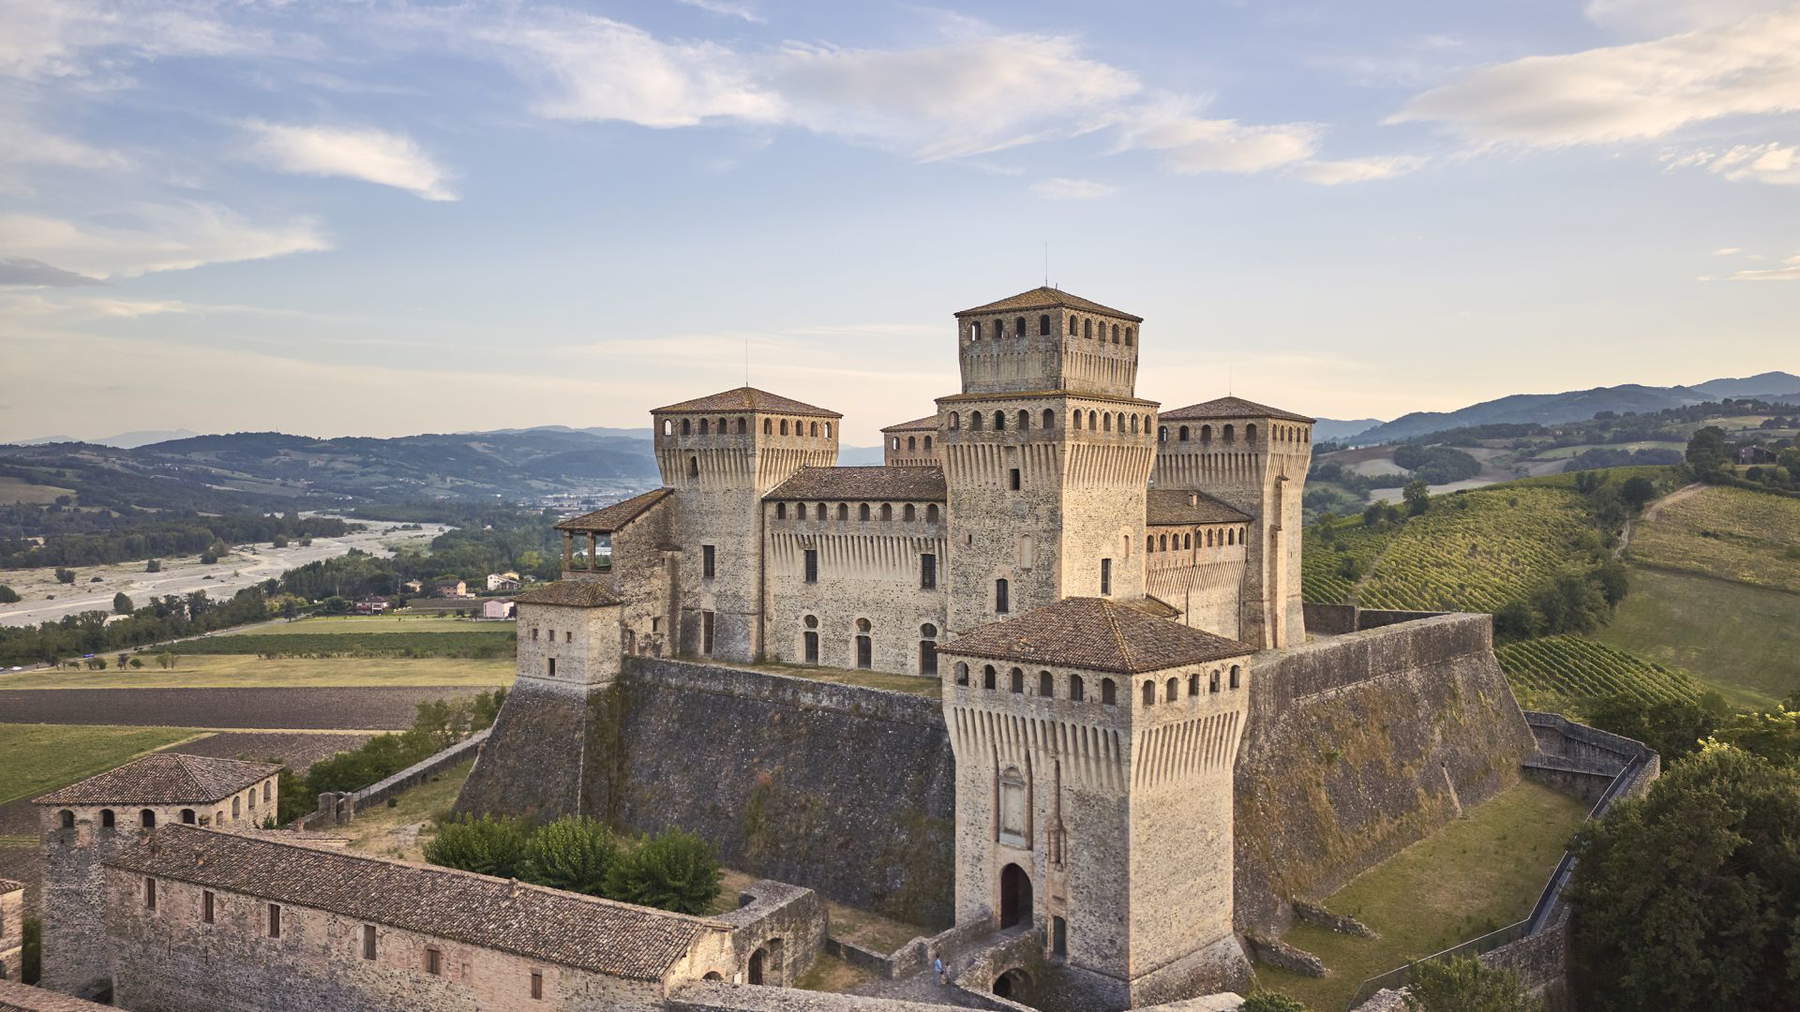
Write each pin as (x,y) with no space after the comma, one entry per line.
(1468,878)
(401,831)
(1729,533)
(35,758)
(379,624)
(1741,640)
(1565,672)
(247,671)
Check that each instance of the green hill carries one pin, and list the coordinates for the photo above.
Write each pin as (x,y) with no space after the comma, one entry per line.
(1568,673)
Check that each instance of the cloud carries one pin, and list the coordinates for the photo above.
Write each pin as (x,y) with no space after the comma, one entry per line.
(1662,17)
(79,38)
(156,237)
(1789,271)
(25,272)
(1725,251)
(1762,163)
(730,10)
(1059,188)
(375,156)
(24,143)
(1632,92)
(1191,144)
(1357,170)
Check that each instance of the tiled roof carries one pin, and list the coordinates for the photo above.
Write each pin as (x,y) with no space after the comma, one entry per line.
(608,519)
(1156,606)
(927,424)
(1096,634)
(164,778)
(918,484)
(15,997)
(569,594)
(564,928)
(749,399)
(1165,506)
(1048,298)
(1231,407)
(8,885)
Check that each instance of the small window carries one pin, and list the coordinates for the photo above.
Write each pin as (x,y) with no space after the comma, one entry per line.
(812,565)
(1002,597)
(1149,693)
(707,560)
(843,511)
(955,420)
(1046,685)
(146,819)
(65,819)
(1077,690)
(1049,418)
(988,674)
(783,426)
(274,920)
(1169,691)
(1087,328)
(1044,324)
(1237,675)
(537,983)
(687,427)
(931,514)
(928,571)
(1013,479)
(1071,326)
(928,662)
(910,513)
(781,511)
(1024,420)
(975,331)
(1129,337)
(149,894)
(887,511)
(206,905)
(1181,434)
(568,636)
(812,428)
(693,470)
(534,632)
(434,961)
(975,421)
(1214,686)
(1115,333)
(236,806)
(862,511)
(1105,577)
(107,819)
(368,941)
(1194,684)
(962,673)
(550,667)
(768,426)
(705,426)
(706,633)
(1018,681)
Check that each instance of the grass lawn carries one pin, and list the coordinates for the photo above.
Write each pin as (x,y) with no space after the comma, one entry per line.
(379,624)
(38,758)
(236,671)
(1742,640)
(402,830)
(915,684)
(1470,877)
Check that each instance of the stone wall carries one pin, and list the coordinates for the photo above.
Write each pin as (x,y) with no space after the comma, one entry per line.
(1360,744)
(783,922)
(12,927)
(337,808)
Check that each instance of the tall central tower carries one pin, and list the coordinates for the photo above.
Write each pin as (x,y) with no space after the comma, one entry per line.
(1047,453)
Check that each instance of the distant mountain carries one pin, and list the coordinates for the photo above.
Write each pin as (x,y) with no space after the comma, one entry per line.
(856,456)
(124,440)
(1327,430)
(1578,405)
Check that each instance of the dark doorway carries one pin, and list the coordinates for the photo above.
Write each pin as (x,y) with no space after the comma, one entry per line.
(812,647)
(1015,896)
(755,974)
(1013,984)
(864,652)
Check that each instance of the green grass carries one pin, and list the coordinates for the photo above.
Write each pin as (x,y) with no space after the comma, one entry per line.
(248,671)
(363,624)
(402,830)
(20,490)
(1742,640)
(1565,452)
(1568,672)
(1470,877)
(461,643)
(38,758)
(1728,533)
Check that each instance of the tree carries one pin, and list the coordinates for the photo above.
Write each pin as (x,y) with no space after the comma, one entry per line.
(65,575)
(1690,896)
(490,845)
(8,595)
(121,604)
(1417,495)
(572,853)
(1707,453)
(153,566)
(1774,735)
(1464,985)
(1269,1001)
(1673,727)
(1613,580)
(675,871)
(278,542)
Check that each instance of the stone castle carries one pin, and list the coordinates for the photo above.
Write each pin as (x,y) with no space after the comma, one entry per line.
(1111,788)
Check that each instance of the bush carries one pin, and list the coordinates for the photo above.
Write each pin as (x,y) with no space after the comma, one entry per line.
(1269,1001)
(1464,985)
(572,853)
(122,604)
(490,845)
(65,575)
(675,871)
(153,566)
(8,595)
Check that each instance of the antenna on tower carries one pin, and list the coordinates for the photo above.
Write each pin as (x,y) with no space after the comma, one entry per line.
(1046,263)
(1229,366)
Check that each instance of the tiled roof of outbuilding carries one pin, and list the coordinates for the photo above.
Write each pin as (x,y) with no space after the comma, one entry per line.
(927,424)
(569,594)
(749,399)
(1166,506)
(1230,407)
(1096,634)
(564,928)
(8,885)
(916,484)
(164,778)
(1048,298)
(608,519)
(16,997)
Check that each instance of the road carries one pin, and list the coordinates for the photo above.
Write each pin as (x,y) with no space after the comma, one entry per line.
(227,577)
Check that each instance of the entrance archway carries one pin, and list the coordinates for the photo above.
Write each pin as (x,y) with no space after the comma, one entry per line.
(755,974)
(1015,896)
(1013,984)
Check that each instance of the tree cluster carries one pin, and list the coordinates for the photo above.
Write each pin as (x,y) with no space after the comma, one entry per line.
(672,871)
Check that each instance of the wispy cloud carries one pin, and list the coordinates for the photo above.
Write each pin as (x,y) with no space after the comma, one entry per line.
(145,238)
(1760,163)
(1788,271)
(1725,251)
(375,156)
(28,273)
(1357,170)
(1060,188)
(727,8)
(1190,143)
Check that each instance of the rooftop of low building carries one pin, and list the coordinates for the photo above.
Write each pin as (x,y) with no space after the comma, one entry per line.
(1230,407)
(164,778)
(1096,634)
(1045,297)
(608,519)
(898,484)
(564,928)
(927,424)
(1165,507)
(568,594)
(747,399)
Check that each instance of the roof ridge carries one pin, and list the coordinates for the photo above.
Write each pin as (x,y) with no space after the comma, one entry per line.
(1118,634)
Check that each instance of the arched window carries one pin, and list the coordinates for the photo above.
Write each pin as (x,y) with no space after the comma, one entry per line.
(1077,691)
(887,511)
(974,421)
(987,676)
(107,819)
(912,444)
(862,511)
(1187,540)
(962,673)
(1046,685)
(1134,424)
(1044,324)
(1209,538)
(1018,680)
(799,511)
(843,511)
(1024,420)
(1093,420)
(1129,336)
(999,421)
(1106,421)
(955,423)
(1109,693)
(827,430)
(1194,684)
(1169,691)
(1149,694)
(693,467)
(1087,328)
(1182,434)
(927,444)
(703,426)
(865,646)
(66,819)
(821,512)
(931,514)
(1162,543)
(1162,433)
(1213,683)
(147,819)
(1149,542)
(783,426)
(1002,602)
(1071,326)
(1206,435)
(781,511)
(1233,535)
(1237,675)
(1230,434)
(909,514)
(1075,421)
(741,427)
(1115,333)
(975,331)
(687,426)
(1049,418)
(812,428)
(1250,434)
(1019,327)
(928,663)
(768,426)
(668,427)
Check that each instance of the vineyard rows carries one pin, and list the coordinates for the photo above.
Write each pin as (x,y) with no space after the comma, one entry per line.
(1730,533)
(1559,670)
(499,643)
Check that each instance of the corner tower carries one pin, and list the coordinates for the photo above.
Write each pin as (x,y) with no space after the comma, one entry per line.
(721,454)
(1252,457)
(1046,454)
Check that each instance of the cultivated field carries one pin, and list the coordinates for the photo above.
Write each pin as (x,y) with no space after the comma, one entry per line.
(1563,672)
(242,671)
(1728,533)
(340,625)
(18,490)
(35,758)
(1742,640)
(359,708)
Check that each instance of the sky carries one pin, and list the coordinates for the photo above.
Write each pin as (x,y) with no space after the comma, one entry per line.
(391,217)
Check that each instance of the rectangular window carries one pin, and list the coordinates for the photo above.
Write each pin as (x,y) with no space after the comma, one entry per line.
(434,962)
(534,632)
(812,565)
(274,920)
(706,562)
(537,984)
(928,571)
(368,941)
(706,633)
(1013,479)
(552,666)
(206,905)
(150,894)
(1105,577)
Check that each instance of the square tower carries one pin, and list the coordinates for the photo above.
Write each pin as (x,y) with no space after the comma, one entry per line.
(1048,339)
(1094,750)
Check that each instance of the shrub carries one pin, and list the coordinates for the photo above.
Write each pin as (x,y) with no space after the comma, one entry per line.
(675,871)
(8,595)
(65,575)
(573,853)
(1269,1001)
(490,845)
(1464,985)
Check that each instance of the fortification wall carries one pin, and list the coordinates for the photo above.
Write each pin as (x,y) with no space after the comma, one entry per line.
(1360,744)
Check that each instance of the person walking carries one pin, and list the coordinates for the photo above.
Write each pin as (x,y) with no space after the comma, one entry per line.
(937,964)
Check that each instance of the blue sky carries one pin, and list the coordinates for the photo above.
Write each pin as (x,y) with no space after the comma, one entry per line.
(391,217)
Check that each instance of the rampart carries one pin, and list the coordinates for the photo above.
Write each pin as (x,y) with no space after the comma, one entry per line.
(336,808)
(1361,743)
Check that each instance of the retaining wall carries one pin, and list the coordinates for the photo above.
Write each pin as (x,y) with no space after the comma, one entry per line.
(337,808)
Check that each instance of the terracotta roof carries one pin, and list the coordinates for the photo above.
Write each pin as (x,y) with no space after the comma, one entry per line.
(1231,407)
(608,519)
(15,997)
(929,424)
(564,928)
(569,594)
(1048,298)
(749,399)
(1096,634)
(1154,606)
(8,885)
(919,484)
(1165,506)
(164,778)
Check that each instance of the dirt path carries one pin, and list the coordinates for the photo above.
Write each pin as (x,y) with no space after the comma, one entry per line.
(1650,513)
